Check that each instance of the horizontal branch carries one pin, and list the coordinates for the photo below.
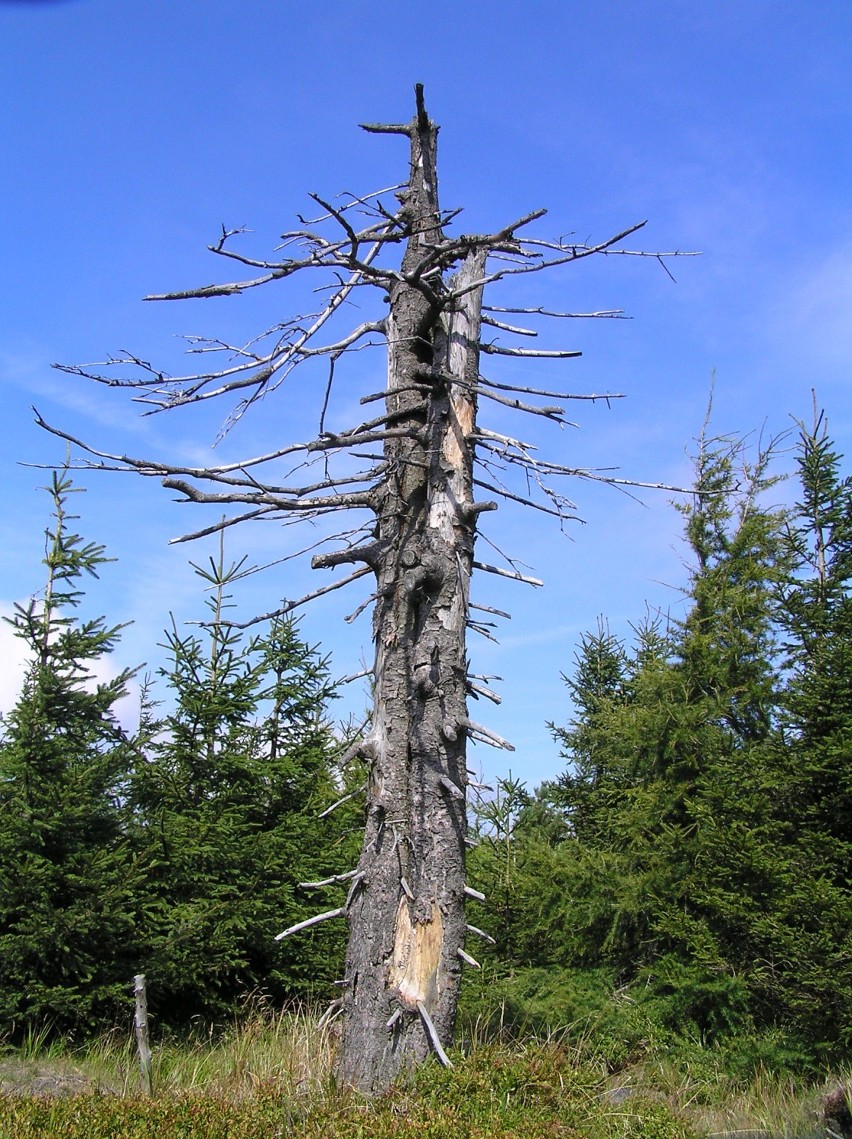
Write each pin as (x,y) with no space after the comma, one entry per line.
(480,690)
(343,799)
(308,922)
(230,288)
(362,747)
(481,933)
(613,313)
(348,501)
(555,413)
(369,555)
(352,676)
(530,353)
(513,575)
(590,396)
(482,632)
(222,524)
(485,734)
(333,880)
(356,613)
(355,200)
(488,436)
(452,789)
(384,393)
(331,1013)
(387,128)
(492,323)
(494,612)
(601,475)
(289,606)
(152,469)
(336,442)
(253,371)
(573,253)
(553,511)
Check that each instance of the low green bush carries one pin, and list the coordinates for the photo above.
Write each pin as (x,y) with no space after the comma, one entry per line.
(538,1090)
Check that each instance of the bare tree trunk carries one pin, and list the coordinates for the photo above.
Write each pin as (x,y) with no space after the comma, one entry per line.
(406,918)
(406,902)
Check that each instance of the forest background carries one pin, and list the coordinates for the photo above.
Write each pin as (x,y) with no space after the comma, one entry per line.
(124,160)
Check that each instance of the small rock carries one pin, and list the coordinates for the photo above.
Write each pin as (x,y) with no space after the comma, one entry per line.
(836,1115)
(619,1094)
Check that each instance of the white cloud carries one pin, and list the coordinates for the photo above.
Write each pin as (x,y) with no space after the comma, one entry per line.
(14,658)
(13,661)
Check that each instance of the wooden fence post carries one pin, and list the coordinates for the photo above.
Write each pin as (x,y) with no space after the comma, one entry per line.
(140,1024)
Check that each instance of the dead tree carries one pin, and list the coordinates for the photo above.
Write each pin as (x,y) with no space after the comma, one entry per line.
(421,461)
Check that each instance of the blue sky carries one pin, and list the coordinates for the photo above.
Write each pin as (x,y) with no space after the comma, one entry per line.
(132,129)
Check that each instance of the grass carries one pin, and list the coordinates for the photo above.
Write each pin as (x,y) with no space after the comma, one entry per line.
(282,1051)
(270,1076)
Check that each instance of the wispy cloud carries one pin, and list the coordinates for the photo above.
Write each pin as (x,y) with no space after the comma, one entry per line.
(816,311)
(15,659)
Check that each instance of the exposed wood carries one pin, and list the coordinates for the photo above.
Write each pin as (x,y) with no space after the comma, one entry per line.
(415,967)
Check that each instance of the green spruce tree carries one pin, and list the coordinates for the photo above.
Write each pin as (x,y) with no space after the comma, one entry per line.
(67,877)
(227,793)
(671,789)
(815,800)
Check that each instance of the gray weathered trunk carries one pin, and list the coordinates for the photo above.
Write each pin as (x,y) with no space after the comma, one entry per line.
(406,913)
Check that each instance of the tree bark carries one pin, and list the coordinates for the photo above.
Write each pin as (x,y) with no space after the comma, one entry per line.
(406,915)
